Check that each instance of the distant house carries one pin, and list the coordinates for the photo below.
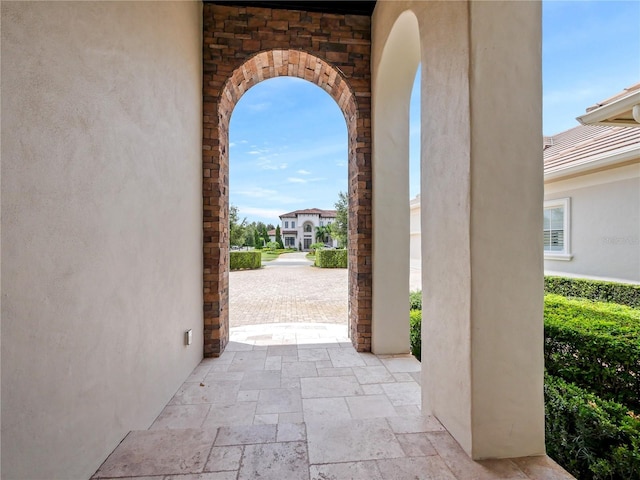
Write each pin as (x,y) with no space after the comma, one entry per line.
(592,203)
(299,227)
(591,195)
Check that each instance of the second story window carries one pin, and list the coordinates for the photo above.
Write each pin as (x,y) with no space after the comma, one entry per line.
(286,224)
(293,224)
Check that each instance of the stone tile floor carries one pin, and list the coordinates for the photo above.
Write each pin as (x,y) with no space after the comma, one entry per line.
(296,401)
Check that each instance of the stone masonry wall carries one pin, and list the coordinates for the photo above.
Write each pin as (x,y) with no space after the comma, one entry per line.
(241,47)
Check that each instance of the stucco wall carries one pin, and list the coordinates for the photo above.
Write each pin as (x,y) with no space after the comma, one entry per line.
(481,169)
(101,225)
(604,224)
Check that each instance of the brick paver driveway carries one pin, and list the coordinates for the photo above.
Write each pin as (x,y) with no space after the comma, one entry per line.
(288,290)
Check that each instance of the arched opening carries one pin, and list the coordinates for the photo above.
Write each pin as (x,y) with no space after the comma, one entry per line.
(415,198)
(265,65)
(392,86)
(287,168)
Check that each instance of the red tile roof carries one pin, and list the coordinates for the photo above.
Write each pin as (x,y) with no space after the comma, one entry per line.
(310,211)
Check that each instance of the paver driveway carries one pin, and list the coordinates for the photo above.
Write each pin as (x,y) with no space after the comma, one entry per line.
(288,290)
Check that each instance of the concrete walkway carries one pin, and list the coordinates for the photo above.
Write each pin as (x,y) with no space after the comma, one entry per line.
(297,402)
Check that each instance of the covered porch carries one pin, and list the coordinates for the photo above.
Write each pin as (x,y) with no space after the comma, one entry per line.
(296,401)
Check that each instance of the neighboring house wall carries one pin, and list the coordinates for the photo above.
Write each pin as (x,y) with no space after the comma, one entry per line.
(101,225)
(415,255)
(604,222)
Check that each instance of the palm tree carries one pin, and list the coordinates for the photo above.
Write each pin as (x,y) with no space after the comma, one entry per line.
(322,233)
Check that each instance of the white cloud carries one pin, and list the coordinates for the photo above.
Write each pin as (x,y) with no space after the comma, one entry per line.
(258,107)
(296,180)
(304,172)
(257,192)
(260,212)
(254,152)
(232,144)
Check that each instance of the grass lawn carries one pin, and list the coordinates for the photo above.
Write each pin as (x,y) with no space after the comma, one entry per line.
(267,256)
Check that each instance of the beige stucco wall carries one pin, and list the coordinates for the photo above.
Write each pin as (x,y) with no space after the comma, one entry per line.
(481,170)
(604,224)
(395,59)
(101,225)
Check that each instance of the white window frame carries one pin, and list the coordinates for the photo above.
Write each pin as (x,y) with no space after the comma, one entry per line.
(293,224)
(286,224)
(564,255)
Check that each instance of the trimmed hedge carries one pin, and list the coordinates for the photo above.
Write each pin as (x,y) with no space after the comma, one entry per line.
(591,438)
(594,290)
(415,327)
(415,300)
(331,258)
(594,345)
(241,260)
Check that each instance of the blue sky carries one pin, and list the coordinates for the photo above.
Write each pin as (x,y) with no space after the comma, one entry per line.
(288,138)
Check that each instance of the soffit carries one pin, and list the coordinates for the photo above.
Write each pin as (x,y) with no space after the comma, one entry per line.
(339,7)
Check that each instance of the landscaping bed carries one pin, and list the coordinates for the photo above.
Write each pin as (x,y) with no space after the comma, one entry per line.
(592,383)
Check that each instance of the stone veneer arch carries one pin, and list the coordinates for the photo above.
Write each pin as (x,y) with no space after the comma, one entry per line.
(242,47)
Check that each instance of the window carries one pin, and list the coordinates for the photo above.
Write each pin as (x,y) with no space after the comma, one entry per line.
(307,228)
(556,230)
(321,223)
(286,224)
(293,224)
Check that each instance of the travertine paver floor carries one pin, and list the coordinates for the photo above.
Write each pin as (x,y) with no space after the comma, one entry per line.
(296,401)
(288,290)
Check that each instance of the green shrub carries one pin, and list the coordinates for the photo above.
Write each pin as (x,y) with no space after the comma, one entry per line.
(415,339)
(590,437)
(594,290)
(331,258)
(240,260)
(272,246)
(316,246)
(415,300)
(594,345)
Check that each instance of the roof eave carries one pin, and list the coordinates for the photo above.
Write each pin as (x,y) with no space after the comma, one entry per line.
(617,113)
(608,160)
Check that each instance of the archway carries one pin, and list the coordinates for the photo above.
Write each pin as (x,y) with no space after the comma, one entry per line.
(264,65)
(392,86)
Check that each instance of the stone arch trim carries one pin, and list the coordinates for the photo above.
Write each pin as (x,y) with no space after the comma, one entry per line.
(241,47)
(291,63)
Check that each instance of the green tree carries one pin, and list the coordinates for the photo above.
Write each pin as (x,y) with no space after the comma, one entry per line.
(279,237)
(340,228)
(265,235)
(236,227)
(249,236)
(323,233)
(257,239)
